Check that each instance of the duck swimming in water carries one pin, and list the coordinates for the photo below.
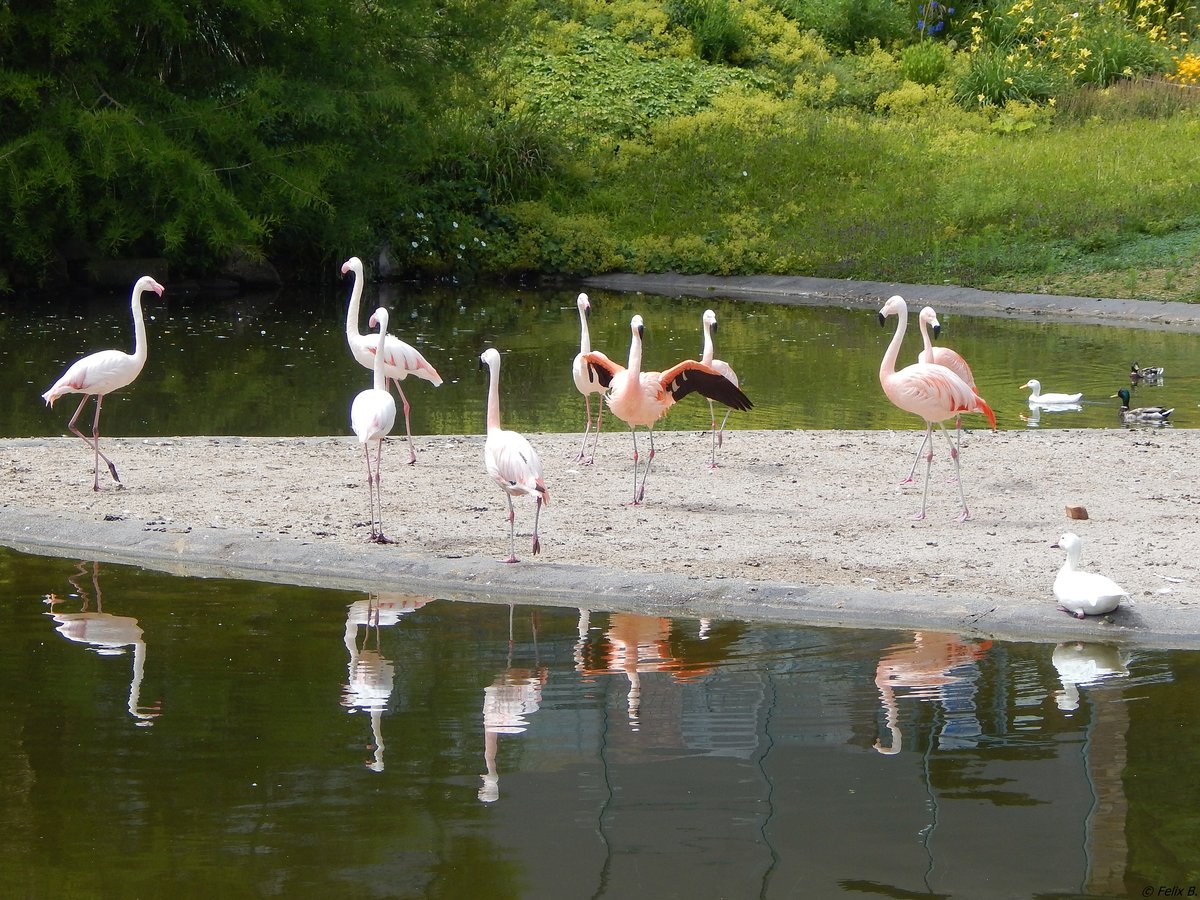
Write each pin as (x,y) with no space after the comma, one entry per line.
(1083,593)
(1152,414)
(1037,398)
(1145,373)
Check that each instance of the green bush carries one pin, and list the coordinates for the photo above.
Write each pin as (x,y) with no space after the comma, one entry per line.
(924,62)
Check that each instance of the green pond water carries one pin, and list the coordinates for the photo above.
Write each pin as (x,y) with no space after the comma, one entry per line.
(276,365)
(170,737)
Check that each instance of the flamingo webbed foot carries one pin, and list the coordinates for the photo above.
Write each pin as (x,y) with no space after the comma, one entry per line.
(512,559)
(537,545)
(380,538)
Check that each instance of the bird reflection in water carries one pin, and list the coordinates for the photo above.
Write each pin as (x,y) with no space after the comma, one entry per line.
(370,673)
(1083,664)
(635,644)
(934,666)
(106,634)
(513,696)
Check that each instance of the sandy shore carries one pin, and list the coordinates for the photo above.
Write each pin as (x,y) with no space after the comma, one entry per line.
(808,508)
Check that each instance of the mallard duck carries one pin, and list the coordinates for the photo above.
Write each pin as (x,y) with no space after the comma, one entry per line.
(1145,373)
(1037,398)
(1156,414)
(1083,593)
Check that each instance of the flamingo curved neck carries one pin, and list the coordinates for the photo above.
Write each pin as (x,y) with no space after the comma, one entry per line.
(139,330)
(379,380)
(927,354)
(585,339)
(888,366)
(493,406)
(707,356)
(635,355)
(352,331)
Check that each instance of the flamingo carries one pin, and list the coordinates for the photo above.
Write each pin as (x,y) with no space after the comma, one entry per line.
(642,398)
(942,356)
(400,359)
(930,391)
(510,460)
(102,373)
(586,381)
(372,415)
(709,323)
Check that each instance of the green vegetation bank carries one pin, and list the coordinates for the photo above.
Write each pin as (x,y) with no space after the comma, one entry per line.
(1050,146)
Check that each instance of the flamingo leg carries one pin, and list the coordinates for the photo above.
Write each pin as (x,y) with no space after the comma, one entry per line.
(596,437)
(916,459)
(928,466)
(94,443)
(587,426)
(412,452)
(379,536)
(370,490)
(633,431)
(512,534)
(641,494)
(721,433)
(966,513)
(712,414)
(537,509)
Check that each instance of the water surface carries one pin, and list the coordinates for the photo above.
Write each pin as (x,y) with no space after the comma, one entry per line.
(271,365)
(166,736)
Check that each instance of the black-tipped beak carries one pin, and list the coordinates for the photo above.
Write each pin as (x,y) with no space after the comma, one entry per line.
(937,329)
(882,320)
(641,330)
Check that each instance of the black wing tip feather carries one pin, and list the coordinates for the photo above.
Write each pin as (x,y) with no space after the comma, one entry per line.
(712,385)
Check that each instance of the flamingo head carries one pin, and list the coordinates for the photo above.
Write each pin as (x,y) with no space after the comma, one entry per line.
(490,358)
(585,305)
(379,318)
(929,317)
(637,326)
(895,306)
(353,264)
(147,283)
(710,320)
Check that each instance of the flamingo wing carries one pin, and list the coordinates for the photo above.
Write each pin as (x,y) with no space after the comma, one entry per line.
(689,375)
(372,415)
(601,367)
(514,465)
(97,373)
(401,360)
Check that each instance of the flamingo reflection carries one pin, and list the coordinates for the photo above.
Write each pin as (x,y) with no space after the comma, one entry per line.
(932,667)
(1079,663)
(106,634)
(635,644)
(513,696)
(371,675)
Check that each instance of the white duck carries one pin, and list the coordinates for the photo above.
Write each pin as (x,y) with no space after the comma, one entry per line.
(1083,593)
(1082,664)
(1037,398)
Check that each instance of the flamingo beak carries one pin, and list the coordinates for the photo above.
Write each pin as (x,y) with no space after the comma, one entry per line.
(641,330)
(882,320)
(937,330)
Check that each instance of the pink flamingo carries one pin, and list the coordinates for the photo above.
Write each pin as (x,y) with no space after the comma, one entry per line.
(586,381)
(372,415)
(510,460)
(709,323)
(930,391)
(400,359)
(942,356)
(104,372)
(642,398)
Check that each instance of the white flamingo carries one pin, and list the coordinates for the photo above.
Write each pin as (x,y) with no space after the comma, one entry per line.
(709,323)
(372,415)
(104,372)
(586,381)
(642,398)
(400,359)
(510,460)
(930,391)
